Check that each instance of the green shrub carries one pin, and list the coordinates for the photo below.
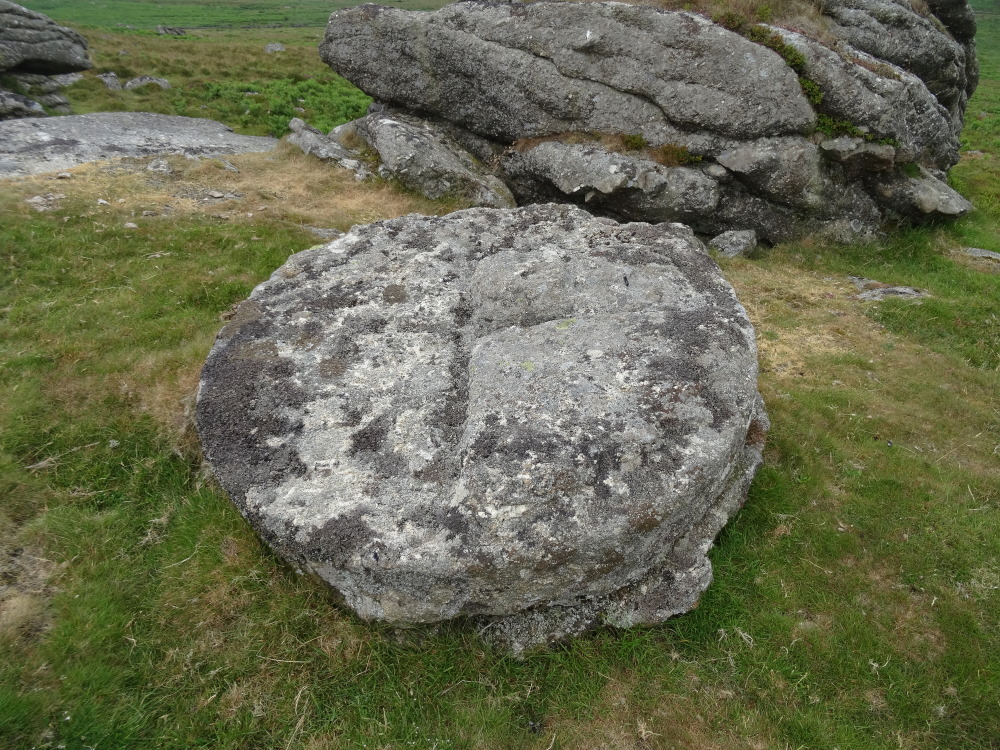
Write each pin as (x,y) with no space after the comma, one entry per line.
(833,127)
(812,90)
(731,20)
(269,105)
(673,155)
(773,41)
(634,141)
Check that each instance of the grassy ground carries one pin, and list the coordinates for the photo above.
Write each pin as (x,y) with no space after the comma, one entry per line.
(222,75)
(857,595)
(234,14)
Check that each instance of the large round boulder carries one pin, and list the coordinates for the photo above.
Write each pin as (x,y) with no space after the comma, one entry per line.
(532,416)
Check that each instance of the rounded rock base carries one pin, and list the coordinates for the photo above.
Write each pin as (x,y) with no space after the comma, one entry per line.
(533,417)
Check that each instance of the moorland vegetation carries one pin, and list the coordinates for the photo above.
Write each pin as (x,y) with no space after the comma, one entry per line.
(857,595)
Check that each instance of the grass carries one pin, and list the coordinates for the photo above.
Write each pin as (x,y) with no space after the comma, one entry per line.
(221,75)
(856,597)
(146,15)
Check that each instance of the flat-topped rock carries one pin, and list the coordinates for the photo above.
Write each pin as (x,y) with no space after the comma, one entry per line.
(57,143)
(531,416)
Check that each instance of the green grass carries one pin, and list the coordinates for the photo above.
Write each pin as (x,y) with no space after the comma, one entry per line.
(221,75)
(148,14)
(857,595)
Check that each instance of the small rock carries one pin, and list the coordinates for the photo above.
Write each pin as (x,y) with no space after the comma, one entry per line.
(63,176)
(102,202)
(46,202)
(978,252)
(229,166)
(216,194)
(150,213)
(427,159)
(140,81)
(111,81)
(735,242)
(325,234)
(274,47)
(130,225)
(14,105)
(871,290)
(169,31)
(159,165)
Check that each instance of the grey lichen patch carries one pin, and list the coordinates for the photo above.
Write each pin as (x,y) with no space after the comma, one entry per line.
(526,416)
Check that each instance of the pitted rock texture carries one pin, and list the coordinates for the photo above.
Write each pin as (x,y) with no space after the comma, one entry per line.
(57,143)
(524,82)
(531,416)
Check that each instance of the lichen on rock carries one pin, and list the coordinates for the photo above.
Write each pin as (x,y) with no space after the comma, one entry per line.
(533,417)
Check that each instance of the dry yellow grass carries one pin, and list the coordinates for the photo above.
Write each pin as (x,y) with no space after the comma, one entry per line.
(623,719)
(285,187)
(286,184)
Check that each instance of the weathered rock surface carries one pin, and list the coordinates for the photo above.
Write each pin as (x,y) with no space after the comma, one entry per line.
(428,160)
(14,105)
(629,187)
(882,100)
(533,416)
(919,196)
(892,30)
(327,148)
(978,252)
(53,144)
(734,243)
(510,71)
(33,43)
(140,81)
(871,290)
(776,155)
(45,90)
(32,48)
(111,81)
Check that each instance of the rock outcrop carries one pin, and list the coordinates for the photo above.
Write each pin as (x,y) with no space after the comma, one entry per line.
(768,130)
(32,48)
(530,416)
(937,46)
(57,143)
